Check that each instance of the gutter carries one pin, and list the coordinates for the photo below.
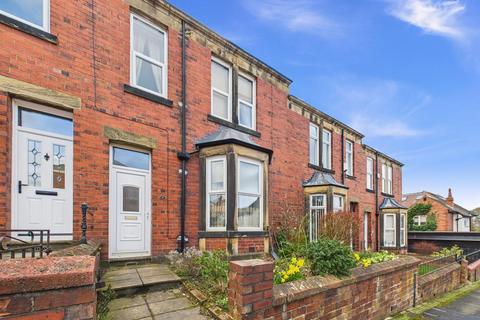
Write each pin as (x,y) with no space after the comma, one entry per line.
(183,155)
(377,213)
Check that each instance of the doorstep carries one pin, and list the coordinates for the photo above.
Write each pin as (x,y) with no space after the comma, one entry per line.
(136,278)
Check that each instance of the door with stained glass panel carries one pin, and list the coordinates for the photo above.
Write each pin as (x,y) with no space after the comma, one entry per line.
(43,172)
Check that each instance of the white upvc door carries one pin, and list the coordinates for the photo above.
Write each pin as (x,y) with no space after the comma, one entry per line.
(42,184)
(130,205)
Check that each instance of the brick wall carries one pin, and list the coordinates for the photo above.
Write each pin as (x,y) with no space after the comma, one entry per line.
(374,293)
(474,271)
(441,281)
(49,288)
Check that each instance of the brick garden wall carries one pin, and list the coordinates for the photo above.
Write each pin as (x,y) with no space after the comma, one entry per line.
(374,293)
(49,288)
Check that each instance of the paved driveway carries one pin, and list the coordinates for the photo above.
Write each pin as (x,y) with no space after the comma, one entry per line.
(466,308)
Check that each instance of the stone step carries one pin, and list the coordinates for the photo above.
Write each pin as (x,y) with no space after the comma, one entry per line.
(133,279)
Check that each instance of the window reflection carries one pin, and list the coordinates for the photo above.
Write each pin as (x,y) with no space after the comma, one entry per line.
(45,122)
(130,158)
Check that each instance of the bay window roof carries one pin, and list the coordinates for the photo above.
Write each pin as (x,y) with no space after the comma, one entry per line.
(322,179)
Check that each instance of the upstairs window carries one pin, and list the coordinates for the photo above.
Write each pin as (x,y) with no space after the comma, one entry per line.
(387,179)
(35,13)
(148,69)
(246,101)
(221,90)
(369,173)
(420,220)
(314,142)
(349,157)
(327,149)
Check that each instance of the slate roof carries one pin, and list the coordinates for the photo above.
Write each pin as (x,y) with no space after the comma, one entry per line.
(455,208)
(391,203)
(225,135)
(322,179)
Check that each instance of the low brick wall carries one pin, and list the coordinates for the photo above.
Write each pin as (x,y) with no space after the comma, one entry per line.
(474,271)
(373,293)
(48,288)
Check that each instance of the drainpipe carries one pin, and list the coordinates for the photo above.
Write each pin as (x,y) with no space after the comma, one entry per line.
(377,213)
(343,156)
(183,155)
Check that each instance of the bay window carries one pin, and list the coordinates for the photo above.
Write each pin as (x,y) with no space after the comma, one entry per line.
(389,230)
(403,231)
(369,173)
(349,157)
(216,177)
(148,68)
(246,101)
(249,194)
(327,149)
(221,90)
(314,143)
(35,13)
(338,203)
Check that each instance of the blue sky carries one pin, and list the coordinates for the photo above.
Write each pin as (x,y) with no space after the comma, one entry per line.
(406,73)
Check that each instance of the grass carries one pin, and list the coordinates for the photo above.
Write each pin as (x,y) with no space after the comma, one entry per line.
(442,301)
(426,268)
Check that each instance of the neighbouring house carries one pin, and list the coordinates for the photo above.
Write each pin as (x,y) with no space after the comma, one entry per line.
(172,134)
(449,215)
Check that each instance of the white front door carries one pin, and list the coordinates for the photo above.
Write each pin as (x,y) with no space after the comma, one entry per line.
(130,203)
(42,170)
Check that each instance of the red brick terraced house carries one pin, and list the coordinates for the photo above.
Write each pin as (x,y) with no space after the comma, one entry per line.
(450,216)
(173,135)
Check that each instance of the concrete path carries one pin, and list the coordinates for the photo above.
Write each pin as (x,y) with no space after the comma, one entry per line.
(465,308)
(126,279)
(162,305)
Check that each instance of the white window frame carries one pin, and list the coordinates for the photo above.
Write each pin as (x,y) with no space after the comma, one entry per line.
(389,179)
(339,196)
(253,105)
(228,95)
(420,220)
(317,154)
(384,177)
(403,231)
(313,225)
(366,230)
(260,188)
(134,54)
(46,17)
(209,192)
(370,165)
(349,157)
(394,230)
(327,160)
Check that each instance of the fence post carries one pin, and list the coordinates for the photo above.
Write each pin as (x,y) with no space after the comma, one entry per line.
(83,240)
(250,288)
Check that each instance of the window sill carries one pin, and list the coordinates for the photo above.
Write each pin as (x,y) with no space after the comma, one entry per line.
(370,190)
(147,95)
(23,27)
(387,195)
(231,234)
(233,126)
(350,177)
(319,168)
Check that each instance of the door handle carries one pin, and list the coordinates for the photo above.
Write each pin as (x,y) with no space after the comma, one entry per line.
(20,185)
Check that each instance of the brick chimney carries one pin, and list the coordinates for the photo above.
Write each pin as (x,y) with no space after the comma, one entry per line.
(450,197)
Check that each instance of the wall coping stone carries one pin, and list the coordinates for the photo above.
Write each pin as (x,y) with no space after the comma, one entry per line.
(297,290)
(32,275)
(440,273)
(474,265)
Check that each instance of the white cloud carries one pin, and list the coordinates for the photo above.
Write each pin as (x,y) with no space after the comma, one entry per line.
(295,16)
(373,127)
(439,17)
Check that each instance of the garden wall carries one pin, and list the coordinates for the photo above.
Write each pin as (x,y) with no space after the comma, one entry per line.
(474,271)
(49,288)
(374,293)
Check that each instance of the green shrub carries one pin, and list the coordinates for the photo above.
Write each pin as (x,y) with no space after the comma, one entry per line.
(418,210)
(447,252)
(330,257)
(214,267)
(368,258)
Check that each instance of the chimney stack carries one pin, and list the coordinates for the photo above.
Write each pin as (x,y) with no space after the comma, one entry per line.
(450,197)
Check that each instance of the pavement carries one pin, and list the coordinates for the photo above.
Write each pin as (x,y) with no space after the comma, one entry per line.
(465,308)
